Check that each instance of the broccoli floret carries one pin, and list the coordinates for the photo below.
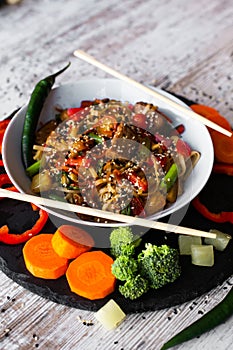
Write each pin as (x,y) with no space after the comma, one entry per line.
(124,267)
(159,265)
(134,287)
(123,241)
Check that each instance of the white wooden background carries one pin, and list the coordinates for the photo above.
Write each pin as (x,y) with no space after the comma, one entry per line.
(184,46)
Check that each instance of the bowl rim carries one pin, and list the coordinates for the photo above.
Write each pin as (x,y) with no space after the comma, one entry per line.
(161,214)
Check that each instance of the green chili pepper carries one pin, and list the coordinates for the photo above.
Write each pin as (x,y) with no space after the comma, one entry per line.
(210,320)
(170,178)
(35,105)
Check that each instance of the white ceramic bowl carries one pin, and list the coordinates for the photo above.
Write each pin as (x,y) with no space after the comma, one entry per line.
(70,95)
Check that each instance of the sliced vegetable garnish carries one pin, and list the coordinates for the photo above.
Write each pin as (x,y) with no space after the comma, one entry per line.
(90,275)
(70,241)
(41,260)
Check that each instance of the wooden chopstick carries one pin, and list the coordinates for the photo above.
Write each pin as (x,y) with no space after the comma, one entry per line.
(184,111)
(105,214)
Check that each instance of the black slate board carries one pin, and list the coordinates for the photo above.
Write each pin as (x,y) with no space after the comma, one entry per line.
(193,282)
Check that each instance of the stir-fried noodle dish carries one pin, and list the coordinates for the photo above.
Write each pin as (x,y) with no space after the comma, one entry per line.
(114,156)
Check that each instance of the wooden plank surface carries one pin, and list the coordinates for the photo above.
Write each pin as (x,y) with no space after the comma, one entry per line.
(182,46)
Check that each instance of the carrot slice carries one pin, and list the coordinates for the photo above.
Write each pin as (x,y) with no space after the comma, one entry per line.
(41,260)
(222,168)
(211,114)
(223,147)
(70,241)
(90,275)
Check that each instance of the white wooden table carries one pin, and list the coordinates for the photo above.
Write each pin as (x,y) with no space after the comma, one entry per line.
(183,46)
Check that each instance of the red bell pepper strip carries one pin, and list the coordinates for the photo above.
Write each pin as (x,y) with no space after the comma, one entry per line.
(76,114)
(223,216)
(137,207)
(10,238)
(1,162)
(34,207)
(79,161)
(72,111)
(161,159)
(183,148)
(140,183)
(5,180)
(139,120)
(3,126)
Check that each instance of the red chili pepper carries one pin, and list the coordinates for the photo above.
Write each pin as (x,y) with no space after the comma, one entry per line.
(222,168)
(183,148)
(137,207)
(10,238)
(137,181)
(164,142)
(74,113)
(223,216)
(139,120)
(162,159)
(79,161)
(180,128)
